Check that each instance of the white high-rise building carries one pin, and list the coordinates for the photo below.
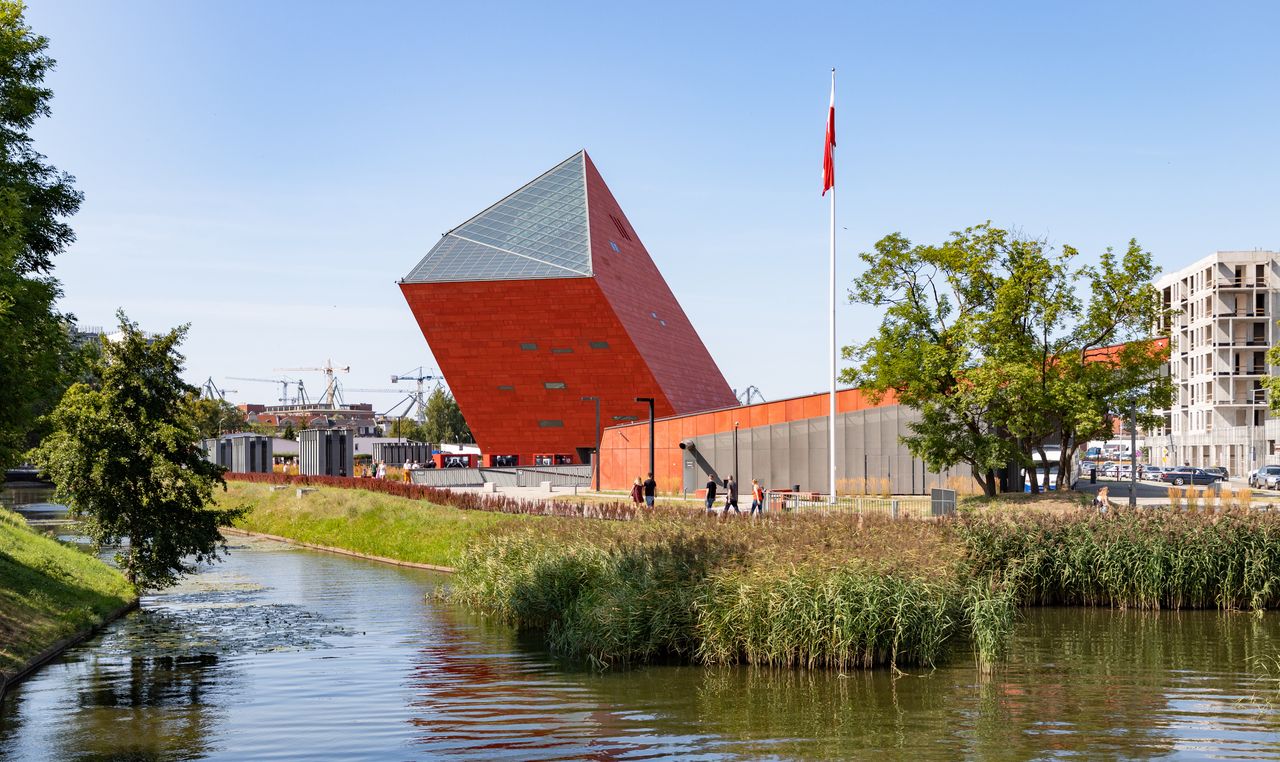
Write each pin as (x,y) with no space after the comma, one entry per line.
(1224,321)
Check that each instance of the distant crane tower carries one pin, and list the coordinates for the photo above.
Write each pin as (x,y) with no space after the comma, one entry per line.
(748,395)
(210,391)
(419,396)
(332,394)
(285,383)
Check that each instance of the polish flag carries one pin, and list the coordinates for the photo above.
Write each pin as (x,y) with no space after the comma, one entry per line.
(828,161)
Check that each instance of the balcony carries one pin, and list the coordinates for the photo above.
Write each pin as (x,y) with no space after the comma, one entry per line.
(1241,283)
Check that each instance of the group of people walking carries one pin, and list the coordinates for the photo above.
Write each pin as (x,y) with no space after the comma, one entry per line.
(647,489)
(731,495)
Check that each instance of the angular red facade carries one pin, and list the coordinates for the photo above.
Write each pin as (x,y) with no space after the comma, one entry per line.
(546,297)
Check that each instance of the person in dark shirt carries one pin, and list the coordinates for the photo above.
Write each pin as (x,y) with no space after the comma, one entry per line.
(650,490)
(731,494)
(711,494)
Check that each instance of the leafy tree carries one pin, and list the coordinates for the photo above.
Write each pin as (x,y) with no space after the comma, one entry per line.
(985,336)
(124,457)
(408,428)
(35,199)
(216,417)
(444,419)
(289,433)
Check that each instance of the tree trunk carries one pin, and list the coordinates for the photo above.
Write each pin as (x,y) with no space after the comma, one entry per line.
(985,480)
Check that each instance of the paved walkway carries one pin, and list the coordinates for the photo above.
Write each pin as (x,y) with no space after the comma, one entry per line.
(1157,493)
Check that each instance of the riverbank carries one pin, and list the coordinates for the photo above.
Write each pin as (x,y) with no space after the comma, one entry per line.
(369,523)
(841,591)
(51,595)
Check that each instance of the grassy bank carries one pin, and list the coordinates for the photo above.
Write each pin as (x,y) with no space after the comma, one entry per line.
(364,522)
(48,592)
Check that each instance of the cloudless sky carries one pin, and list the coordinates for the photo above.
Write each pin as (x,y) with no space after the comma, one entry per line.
(267,170)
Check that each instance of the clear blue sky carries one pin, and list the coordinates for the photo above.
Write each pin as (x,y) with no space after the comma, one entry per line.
(267,171)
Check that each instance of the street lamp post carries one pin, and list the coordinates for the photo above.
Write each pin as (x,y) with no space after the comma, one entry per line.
(595,454)
(1133,452)
(736,480)
(649,400)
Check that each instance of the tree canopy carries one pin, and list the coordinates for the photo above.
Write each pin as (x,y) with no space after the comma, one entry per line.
(35,201)
(124,456)
(444,419)
(986,336)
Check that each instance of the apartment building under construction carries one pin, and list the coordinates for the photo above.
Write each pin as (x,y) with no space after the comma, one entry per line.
(1224,320)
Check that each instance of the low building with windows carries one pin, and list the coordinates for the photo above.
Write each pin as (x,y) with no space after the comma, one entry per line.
(546,301)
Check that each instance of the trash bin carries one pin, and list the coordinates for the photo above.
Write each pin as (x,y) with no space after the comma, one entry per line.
(1093,476)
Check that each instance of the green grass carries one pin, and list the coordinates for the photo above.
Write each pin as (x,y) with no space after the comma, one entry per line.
(364,522)
(48,591)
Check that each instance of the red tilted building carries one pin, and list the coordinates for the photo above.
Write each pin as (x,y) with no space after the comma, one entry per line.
(545,298)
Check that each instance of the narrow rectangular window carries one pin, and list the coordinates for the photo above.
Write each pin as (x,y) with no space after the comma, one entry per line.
(622,231)
(506,388)
(528,346)
(599,345)
(614,246)
(551,424)
(554,384)
(562,350)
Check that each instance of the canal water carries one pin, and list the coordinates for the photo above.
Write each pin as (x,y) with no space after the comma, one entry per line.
(287,654)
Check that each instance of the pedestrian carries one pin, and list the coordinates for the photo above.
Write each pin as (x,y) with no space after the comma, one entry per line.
(1102,501)
(650,490)
(711,493)
(731,495)
(757,497)
(637,491)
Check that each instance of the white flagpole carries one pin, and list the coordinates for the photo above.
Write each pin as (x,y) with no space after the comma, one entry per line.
(831,424)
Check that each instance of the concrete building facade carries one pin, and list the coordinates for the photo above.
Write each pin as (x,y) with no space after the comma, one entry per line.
(1224,309)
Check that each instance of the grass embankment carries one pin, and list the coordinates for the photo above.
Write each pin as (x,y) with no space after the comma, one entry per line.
(363,522)
(48,592)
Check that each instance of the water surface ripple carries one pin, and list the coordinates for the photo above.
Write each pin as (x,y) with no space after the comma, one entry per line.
(286,654)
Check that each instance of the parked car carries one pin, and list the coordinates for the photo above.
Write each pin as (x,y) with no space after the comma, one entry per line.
(1267,477)
(1186,475)
(1218,471)
(1150,473)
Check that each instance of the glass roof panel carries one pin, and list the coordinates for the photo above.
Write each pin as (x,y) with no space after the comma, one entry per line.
(540,231)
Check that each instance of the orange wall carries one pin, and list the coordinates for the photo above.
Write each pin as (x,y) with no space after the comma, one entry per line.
(624,450)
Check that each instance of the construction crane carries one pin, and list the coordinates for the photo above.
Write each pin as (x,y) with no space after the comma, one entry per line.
(210,390)
(748,394)
(419,396)
(332,393)
(285,399)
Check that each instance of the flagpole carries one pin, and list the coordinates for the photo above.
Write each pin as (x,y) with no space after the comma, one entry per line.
(831,424)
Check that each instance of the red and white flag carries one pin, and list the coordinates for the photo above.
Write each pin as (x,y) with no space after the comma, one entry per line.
(828,159)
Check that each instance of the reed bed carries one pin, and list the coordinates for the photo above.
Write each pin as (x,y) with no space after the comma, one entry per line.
(842,592)
(1131,559)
